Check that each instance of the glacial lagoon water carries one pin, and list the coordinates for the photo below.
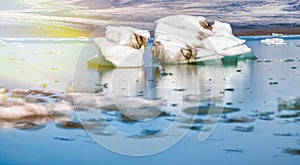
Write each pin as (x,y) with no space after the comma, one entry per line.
(251,131)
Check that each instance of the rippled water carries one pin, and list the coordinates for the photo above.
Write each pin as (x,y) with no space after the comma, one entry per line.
(251,131)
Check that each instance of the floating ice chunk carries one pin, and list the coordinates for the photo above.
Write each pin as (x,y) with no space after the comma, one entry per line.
(17,111)
(122,47)
(273,41)
(194,39)
(23,103)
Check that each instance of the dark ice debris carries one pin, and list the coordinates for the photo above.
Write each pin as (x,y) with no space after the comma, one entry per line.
(64,139)
(291,115)
(164,74)
(238,70)
(89,141)
(29,126)
(294,67)
(237,151)
(149,131)
(288,60)
(69,125)
(142,115)
(174,105)
(190,120)
(244,129)
(266,118)
(192,127)
(287,134)
(196,127)
(273,83)
(264,60)
(179,90)
(229,89)
(242,119)
(143,136)
(105,85)
(35,99)
(204,110)
(291,151)
(268,61)
(265,115)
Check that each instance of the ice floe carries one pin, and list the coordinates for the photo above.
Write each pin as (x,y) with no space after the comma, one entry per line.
(194,39)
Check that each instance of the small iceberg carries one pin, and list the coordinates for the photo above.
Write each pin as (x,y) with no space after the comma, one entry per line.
(121,47)
(188,39)
(273,41)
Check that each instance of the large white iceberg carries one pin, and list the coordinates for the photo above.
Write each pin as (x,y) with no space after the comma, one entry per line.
(121,47)
(178,39)
(188,39)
